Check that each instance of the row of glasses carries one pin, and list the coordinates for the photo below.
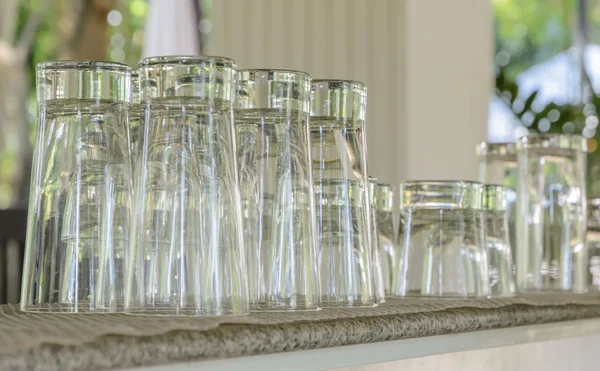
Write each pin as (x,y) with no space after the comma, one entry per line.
(547,221)
(148,185)
(251,193)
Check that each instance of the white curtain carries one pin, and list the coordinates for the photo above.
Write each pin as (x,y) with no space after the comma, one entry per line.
(171,29)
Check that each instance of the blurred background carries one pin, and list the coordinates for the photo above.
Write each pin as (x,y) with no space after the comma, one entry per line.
(442,75)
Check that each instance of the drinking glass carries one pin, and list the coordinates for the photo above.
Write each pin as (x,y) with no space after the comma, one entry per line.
(501,267)
(593,243)
(187,256)
(272,130)
(379,285)
(443,251)
(551,218)
(338,110)
(386,236)
(80,199)
(497,164)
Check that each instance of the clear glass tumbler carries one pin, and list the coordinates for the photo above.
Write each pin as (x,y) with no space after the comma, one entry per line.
(497,164)
(278,209)
(379,288)
(338,110)
(551,218)
(187,255)
(386,233)
(443,251)
(501,267)
(593,243)
(80,199)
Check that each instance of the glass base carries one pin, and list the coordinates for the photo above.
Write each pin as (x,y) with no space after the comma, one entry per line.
(67,308)
(448,296)
(191,311)
(551,292)
(347,304)
(264,307)
(299,303)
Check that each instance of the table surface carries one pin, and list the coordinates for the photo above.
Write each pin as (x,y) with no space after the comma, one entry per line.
(108,341)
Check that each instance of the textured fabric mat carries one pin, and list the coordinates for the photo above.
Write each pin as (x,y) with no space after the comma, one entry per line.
(22,331)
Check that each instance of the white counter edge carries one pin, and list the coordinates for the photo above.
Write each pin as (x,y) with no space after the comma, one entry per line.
(362,354)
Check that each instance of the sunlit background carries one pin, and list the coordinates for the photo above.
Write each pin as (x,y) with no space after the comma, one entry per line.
(547,66)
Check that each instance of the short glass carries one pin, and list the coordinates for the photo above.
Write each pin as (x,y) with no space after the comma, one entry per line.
(278,209)
(497,164)
(501,267)
(187,255)
(593,243)
(551,217)
(338,110)
(81,184)
(443,250)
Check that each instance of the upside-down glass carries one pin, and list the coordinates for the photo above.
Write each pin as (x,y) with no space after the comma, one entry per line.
(551,218)
(272,131)
(443,251)
(593,243)
(501,267)
(379,285)
(386,235)
(187,253)
(338,110)
(80,199)
(497,164)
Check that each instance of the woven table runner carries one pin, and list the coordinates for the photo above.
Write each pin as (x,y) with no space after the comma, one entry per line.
(21,331)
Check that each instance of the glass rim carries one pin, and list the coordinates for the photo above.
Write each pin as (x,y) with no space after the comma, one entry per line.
(275,70)
(558,141)
(381,185)
(353,83)
(186,60)
(501,148)
(83,64)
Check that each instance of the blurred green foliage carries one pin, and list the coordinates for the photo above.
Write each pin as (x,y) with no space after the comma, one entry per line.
(51,40)
(532,31)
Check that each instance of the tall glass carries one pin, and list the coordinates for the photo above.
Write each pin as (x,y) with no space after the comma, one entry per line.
(593,243)
(338,110)
(551,218)
(378,281)
(386,236)
(443,251)
(273,143)
(80,200)
(495,216)
(187,256)
(497,164)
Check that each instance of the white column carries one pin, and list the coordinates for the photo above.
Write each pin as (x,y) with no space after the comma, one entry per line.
(448,82)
